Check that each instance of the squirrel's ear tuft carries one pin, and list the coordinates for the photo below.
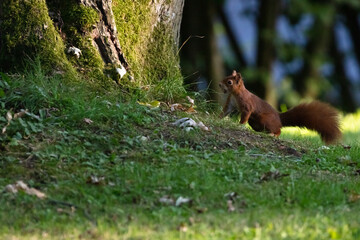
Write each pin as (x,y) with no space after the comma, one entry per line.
(240,75)
(234,73)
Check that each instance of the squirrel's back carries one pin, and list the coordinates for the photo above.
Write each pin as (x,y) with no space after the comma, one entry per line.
(317,116)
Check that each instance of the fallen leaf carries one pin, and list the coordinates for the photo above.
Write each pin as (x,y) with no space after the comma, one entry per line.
(166,200)
(155,104)
(177,106)
(4,129)
(96,180)
(11,188)
(60,210)
(182,227)
(20,114)
(354,197)
(190,110)
(9,116)
(21,186)
(88,120)
(203,127)
(190,100)
(37,193)
(230,206)
(152,104)
(181,200)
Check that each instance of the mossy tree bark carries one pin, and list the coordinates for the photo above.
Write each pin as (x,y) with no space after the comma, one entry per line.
(135,34)
(104,33)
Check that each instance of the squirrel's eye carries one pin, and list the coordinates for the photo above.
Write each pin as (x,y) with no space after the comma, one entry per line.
(229,82)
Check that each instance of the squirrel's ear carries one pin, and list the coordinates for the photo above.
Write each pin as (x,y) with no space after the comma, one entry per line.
(238,78)
(234,73)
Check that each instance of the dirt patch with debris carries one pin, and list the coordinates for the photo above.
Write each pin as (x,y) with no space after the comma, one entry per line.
(228,138)
(252,139)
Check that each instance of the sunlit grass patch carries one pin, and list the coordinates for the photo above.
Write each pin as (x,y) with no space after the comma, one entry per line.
(350,127)
(303,135)
(351,122)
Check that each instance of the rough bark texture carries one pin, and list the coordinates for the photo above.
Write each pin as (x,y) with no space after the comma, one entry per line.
(104,35)
(170,14)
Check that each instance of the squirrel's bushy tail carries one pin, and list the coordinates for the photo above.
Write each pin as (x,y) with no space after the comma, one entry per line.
(317,116)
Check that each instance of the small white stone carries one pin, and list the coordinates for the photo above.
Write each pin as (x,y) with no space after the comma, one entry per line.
(181,120)
(74,51)
(121,71)
(324,148)
(188,129)
(143,138)
(188,123)
(181,200)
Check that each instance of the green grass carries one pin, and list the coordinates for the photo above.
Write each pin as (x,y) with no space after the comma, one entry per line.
(292,188)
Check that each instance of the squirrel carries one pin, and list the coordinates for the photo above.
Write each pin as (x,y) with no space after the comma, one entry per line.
(316,115)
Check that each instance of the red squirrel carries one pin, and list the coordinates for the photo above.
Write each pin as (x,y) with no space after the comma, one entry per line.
(316,115)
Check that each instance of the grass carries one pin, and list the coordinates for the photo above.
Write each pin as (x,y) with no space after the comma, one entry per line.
(105,180)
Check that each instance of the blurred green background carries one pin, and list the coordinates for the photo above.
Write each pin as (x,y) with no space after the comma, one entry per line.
(288,51)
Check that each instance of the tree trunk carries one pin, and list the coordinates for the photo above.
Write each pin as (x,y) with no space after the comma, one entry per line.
(139,36)
(268,13)
(309,81)
(201,59)
(104,34)
(352,22)
(170,14)
(232,38)
(346,87)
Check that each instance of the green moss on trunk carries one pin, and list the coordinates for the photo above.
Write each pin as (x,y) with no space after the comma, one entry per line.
(75,22)
(149,48)
(27,31)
